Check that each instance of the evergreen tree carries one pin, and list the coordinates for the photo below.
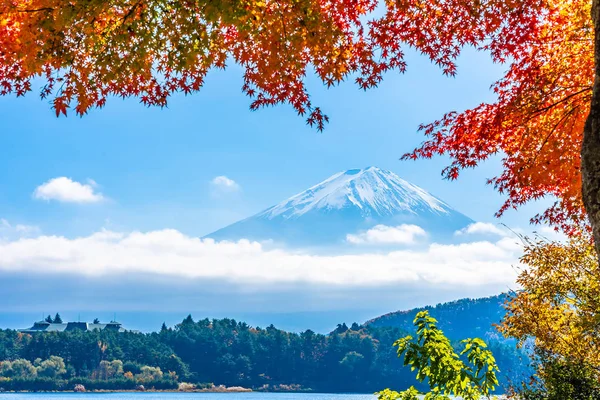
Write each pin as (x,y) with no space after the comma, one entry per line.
(341,328)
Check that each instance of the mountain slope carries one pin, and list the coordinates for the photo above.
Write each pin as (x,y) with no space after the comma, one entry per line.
(347,203)
(458,319)
(469,318)
(372,191)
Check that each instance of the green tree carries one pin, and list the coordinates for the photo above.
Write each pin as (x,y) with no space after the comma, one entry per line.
(351,359)
(53,367)
(133,367)
(110,369)
(174,364)
(560,378)
(341,328)
(436,362)
(19,368)
(5,369)
(149,374)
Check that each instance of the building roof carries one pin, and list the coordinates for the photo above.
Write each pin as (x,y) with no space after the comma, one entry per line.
(44,326)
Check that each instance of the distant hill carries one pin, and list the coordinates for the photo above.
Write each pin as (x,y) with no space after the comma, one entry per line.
(347,203)
(468,318)
(458,319)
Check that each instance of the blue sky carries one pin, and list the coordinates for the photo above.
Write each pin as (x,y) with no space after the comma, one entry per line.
(154,167)
(155,164)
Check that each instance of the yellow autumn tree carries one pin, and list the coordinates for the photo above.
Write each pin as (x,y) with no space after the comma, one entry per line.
(559,304)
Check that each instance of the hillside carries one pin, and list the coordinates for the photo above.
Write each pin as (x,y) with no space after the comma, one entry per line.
(458,319)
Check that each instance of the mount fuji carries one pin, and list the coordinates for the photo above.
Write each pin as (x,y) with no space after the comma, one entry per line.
(348,203)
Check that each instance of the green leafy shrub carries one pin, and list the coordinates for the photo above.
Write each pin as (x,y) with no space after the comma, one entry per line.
(19,368)
(53,367)
(561,379)
(437,364)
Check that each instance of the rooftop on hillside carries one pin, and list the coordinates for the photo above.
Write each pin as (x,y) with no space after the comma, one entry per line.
(45,326)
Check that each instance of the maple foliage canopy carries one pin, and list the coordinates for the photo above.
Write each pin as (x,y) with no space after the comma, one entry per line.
(559,300)
(88,50)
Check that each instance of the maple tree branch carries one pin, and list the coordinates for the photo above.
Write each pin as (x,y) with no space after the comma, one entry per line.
(544,109)
(284,30)
(130,12)
(32,10)
(560,121)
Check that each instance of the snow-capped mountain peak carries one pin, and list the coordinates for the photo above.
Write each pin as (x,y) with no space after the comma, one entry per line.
(347,203)
(374,191)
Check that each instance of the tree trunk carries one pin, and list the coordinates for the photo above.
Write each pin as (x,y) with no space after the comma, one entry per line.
(590,148)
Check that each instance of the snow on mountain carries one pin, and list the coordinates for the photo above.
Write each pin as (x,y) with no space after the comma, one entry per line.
(372,190)
(347,203)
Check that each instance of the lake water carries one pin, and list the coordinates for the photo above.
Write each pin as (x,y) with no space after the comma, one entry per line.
(187,396)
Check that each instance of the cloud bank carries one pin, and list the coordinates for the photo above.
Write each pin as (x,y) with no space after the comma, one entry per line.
(9,231)
(173,254)
(167,274)
(66,190)
(482,228)
(383,234)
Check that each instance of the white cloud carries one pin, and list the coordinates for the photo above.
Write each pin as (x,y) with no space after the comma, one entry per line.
(9,231)
(171,253)
(383,234)
(482,228)
(222,184)
(66,190)
(92,182)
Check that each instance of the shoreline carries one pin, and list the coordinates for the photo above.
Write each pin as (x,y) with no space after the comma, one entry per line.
(241,390)
(176,391)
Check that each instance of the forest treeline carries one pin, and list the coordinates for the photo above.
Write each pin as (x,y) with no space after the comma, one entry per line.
(458,319)
(227,352)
